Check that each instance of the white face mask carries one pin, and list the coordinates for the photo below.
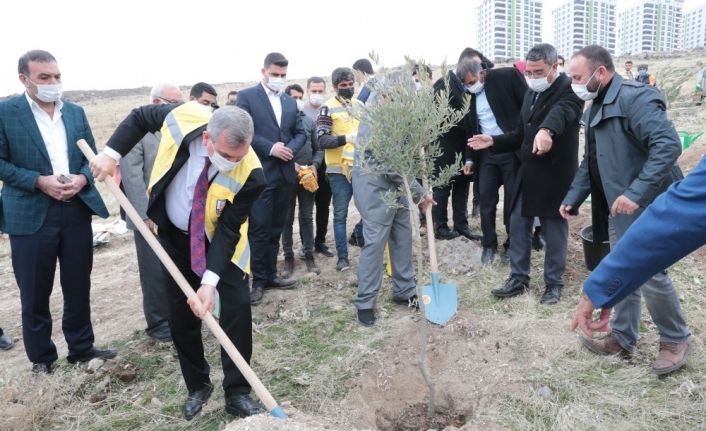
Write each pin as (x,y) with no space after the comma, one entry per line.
(275,84)
(582,92)
(476,88)
(221,163)
(316,99)
(48,92)
(300,104)
(417,85)
(538,84)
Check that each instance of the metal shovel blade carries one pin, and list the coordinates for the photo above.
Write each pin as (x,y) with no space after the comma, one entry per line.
(440,300)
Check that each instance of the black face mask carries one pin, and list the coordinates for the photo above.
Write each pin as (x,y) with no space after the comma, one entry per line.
(346,93)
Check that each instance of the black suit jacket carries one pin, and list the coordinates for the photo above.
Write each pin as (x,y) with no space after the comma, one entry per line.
(505,90)
(544,180)
(150,118)
(291,132)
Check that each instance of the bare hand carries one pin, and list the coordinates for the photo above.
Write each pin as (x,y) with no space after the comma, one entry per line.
(468,169)
(281,151)
(78,182)
(50,186)
(542,142)
(102,165)
(149,223)
(426,202)
(297,167)
(584,318)
(206,295)
(565,211)
(623,205)
(480,142)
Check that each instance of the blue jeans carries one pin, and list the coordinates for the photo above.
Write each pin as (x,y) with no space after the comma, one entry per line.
(342,192)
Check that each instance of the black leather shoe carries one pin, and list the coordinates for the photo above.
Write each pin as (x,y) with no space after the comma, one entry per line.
(288,269)
(41,368)
(6,342)
(323,249)
(466,231)
(160,334)
(538,242)
(552,295)
(92,353)
(242,405)
(256,295)
(281,283)
(488,256)
(366,317)
(195,401)
(311,265)
(411,302)
(443,232)
(512,287)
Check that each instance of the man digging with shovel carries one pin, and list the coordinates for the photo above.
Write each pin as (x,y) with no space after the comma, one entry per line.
(204,181)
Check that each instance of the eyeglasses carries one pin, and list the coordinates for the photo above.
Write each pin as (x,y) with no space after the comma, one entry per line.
(169,101)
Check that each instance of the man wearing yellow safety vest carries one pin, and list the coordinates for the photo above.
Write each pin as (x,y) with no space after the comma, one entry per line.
(337,128)
(204,181)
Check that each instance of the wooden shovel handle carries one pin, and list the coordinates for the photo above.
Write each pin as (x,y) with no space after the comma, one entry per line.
(184,285)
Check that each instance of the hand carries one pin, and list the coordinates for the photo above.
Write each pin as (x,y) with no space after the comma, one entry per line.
(542,142)
(426,202)
(565,212)
(102,165)
(206,295)
(78,182)
(281,151)
(50,186)
(468,169)
(297,167)
(149,223)
(480,142)
(623,205)
(584,318)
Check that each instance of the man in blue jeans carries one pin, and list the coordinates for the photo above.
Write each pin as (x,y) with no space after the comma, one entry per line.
(669,229)
(337,129)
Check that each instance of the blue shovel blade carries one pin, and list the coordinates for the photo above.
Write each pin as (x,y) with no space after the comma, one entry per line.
(440,300)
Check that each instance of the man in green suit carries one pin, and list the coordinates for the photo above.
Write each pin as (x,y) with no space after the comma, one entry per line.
(48,199)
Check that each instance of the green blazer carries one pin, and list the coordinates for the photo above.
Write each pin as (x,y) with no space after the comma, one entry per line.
(24,157)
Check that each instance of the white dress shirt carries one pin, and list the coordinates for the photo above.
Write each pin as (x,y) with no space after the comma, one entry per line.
(53,134)
(275,101)
(486,118)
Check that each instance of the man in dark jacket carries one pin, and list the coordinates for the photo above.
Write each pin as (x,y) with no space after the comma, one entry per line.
(547,138)
(495,109)
(452,146)
(630,158)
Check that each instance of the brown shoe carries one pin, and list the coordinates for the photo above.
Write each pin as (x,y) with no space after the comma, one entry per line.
(605,346)
(671,357)
(311,265)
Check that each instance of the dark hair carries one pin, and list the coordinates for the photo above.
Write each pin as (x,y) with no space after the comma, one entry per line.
(542,52)
(233,93)
(628,62)
(201,87)
(427,69)
(485,63)
(596,56)
(340,74)
(277,59)
(35,55)
(295,87)
(315,80)
(561,57)
(363,65)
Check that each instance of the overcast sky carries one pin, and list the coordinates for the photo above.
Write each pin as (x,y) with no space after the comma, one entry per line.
(133,43)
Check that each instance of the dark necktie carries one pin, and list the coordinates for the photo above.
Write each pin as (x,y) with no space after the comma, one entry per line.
(197,225)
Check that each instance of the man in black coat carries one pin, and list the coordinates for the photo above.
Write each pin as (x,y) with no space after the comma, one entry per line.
(452,145)
(495,109)
(547,138)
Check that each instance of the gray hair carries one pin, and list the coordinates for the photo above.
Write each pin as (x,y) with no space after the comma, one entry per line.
(157,92)
(36,55)
(234,122)
(466,66)
(543,52)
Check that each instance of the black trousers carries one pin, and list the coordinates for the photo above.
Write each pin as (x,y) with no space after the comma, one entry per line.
(496,170)
(236,319)
(152,281)
(66,235)
(458,190)
(322,200)
(267,218)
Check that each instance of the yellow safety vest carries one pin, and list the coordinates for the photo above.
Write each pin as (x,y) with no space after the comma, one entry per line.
(223,188)
(343,124)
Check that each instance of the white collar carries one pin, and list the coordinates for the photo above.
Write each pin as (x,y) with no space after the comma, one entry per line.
(33,104)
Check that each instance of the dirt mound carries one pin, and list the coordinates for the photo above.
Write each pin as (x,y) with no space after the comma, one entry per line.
(297,421)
